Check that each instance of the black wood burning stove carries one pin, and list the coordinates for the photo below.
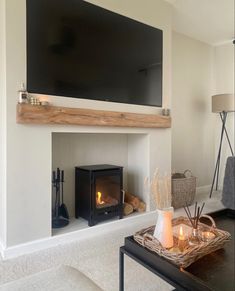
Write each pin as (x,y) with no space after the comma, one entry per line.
(98,192)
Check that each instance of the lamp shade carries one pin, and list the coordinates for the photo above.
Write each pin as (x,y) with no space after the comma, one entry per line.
(223,102)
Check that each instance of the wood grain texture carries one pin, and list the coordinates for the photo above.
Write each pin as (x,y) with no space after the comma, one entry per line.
(30,114)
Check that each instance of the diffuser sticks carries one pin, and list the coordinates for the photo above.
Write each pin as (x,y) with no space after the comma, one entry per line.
(196,216)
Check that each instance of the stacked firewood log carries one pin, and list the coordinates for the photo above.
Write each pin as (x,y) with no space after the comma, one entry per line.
(133,203)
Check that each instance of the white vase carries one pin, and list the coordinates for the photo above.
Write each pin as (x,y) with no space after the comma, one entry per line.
(163,230)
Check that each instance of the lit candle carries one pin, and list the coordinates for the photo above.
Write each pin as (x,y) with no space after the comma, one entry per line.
(207,235)
(181,240)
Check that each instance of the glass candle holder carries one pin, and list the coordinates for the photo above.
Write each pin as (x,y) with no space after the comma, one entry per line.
(182,240)
(194,238)
(207,235)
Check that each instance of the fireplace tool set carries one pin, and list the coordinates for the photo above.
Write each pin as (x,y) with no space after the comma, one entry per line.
(60,214)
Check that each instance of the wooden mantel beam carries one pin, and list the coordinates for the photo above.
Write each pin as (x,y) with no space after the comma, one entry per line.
(30,114)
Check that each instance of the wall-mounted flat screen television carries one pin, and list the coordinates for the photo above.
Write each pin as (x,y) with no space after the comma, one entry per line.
(77,49)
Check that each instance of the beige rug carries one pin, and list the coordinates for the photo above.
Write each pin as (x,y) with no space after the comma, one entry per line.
(63,278)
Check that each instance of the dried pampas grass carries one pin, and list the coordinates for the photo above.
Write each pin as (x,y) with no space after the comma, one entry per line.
(160,186)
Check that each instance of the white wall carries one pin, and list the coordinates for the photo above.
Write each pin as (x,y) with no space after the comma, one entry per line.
(2,125)
(193,122)
(224,83)
(29,147)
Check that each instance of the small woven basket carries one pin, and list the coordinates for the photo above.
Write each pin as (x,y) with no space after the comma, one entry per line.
(183,189)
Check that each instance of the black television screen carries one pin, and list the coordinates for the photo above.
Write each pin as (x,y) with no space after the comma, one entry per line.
(77,49)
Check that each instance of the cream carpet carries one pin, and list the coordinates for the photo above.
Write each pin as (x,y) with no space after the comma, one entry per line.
(59,279)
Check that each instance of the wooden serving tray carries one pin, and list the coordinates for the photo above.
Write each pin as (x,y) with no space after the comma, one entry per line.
(191,253)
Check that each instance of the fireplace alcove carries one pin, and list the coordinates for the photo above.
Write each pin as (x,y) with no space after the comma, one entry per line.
(126,150)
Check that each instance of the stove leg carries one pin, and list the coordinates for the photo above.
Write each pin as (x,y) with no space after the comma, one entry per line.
(91,223)
(121,212)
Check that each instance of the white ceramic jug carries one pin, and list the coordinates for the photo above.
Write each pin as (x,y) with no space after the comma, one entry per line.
(163,230)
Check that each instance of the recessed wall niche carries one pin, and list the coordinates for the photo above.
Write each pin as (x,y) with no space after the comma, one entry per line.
(79,149)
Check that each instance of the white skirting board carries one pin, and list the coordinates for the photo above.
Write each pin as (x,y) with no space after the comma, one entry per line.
(203,189)
(37,245)
(1,249)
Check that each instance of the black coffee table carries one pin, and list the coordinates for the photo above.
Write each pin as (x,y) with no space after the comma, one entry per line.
(215,271)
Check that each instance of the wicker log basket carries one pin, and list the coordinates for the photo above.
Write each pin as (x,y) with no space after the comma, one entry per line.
(191,253)
(183,187)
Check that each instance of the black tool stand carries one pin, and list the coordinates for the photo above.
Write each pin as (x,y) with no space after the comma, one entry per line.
(58,220)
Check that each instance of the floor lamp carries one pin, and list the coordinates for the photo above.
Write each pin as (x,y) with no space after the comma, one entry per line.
(222,104)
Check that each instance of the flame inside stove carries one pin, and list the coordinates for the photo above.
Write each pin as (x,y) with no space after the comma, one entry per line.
(99,200)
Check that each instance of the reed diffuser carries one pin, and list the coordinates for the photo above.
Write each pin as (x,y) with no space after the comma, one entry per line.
(194,220)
